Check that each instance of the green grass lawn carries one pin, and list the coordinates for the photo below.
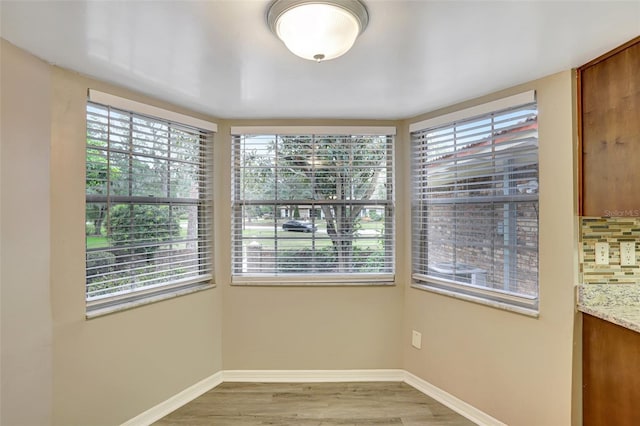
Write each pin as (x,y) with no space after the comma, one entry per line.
(94,242)
(265,235)
(101,241)
(289,239)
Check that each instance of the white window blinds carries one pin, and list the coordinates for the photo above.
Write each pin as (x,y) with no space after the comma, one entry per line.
(148,204)
(475,205)
(312,208)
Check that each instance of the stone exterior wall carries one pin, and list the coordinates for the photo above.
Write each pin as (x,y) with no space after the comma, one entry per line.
(483,248)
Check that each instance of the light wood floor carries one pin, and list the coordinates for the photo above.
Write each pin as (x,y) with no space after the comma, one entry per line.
(314,404)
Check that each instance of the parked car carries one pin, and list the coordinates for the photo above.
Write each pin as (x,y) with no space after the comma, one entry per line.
(297,226)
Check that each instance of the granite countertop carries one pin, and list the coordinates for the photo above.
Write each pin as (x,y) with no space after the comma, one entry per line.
(616,303)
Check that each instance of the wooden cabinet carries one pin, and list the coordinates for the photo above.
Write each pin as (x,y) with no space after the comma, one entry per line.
(610,374)
(609,133)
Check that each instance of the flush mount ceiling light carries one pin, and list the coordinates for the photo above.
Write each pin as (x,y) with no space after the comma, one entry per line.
(318,30)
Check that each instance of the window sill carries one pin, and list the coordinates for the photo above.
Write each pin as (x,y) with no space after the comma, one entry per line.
(534,313)
(108,309)
(338,280)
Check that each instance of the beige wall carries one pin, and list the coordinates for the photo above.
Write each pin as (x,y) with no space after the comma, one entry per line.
(513,367)
(24,225)
(293,328)
(112,368)
(58,367)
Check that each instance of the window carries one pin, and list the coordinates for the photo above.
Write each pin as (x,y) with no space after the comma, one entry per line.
(475,203)
(148,206)
(313,207)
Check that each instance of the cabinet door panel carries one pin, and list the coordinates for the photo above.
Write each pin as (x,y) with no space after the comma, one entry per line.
(610,374)
(610,96)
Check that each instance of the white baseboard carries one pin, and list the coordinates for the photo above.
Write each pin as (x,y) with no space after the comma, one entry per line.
(189,394)
(298,376)
(456,404)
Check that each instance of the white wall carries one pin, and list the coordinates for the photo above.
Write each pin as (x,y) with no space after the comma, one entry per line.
(516,368)
(24,225)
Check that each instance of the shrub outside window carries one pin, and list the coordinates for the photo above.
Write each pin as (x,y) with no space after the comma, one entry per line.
(312,208)
(475,206)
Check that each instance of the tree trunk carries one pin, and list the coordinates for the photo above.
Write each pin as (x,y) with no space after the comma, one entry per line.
(340,229)
(97,222)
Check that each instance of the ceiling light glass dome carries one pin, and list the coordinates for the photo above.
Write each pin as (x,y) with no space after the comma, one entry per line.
(317,30)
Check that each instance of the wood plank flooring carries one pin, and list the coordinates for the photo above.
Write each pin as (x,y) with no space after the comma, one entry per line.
(314,404)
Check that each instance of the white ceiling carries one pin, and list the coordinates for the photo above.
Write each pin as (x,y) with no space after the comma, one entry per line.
(219,57)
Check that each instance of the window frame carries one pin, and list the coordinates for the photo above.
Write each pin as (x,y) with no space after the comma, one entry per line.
(313,278)
(421,277)
(204,131)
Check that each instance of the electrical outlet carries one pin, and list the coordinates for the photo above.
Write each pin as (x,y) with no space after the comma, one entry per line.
(416,339)
(627,253)
(602,253)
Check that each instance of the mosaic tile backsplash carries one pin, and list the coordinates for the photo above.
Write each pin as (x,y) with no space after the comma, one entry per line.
(613,231)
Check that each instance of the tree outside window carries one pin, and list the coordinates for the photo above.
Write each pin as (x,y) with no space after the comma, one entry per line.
(338,187)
